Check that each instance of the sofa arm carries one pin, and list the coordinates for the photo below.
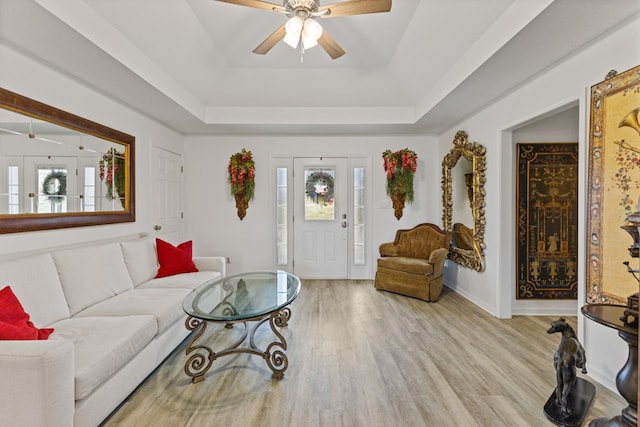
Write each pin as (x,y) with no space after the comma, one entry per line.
(37,386)
(438,255)
(388,249)
(211,263)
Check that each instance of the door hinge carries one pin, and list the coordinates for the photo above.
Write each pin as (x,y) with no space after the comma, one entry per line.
(181,215)
(181,169)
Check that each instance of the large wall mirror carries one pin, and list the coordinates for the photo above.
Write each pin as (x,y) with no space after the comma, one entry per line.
(59,170)
(463,179)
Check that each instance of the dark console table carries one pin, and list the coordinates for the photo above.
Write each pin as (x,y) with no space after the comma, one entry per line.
(627,380)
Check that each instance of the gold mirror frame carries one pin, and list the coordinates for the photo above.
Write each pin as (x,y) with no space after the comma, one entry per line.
(475,153)
(16,223)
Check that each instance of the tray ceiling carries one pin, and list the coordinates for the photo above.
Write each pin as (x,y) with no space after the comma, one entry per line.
(417,69)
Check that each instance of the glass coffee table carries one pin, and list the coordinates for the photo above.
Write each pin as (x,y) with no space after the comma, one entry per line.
(247,297)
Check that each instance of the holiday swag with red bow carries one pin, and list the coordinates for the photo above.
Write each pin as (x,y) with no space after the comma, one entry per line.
(242,180)
(400,167)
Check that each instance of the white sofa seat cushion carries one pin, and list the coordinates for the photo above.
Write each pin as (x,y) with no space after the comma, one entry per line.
(35,282)
(163,304)
(141,259)
(102,345)
(183,281)
(92,274)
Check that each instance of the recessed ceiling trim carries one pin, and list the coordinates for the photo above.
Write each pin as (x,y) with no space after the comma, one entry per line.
(296,115)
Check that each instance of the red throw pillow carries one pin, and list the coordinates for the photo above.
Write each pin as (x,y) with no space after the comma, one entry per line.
(174,260)
(14,322)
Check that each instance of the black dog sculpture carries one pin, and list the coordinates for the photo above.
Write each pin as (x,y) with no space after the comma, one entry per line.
(570,354)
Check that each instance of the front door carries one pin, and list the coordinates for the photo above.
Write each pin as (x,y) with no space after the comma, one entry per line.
(53,183)
(320,226)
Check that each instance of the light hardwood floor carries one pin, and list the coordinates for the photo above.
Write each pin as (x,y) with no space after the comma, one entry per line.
(361,357)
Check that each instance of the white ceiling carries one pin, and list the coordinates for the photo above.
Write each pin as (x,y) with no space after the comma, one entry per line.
(417,69)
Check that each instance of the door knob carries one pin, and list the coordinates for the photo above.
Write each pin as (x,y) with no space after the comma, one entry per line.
(157,228)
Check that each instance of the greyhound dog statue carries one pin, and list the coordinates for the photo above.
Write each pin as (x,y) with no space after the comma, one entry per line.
(570,354)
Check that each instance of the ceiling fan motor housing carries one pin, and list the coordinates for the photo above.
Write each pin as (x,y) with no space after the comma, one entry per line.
(301,8)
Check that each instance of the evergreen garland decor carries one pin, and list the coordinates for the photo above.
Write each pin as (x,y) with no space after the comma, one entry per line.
(400,166)
(241,177)
(112,173)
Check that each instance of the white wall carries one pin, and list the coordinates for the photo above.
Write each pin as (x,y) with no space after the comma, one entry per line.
(27,77)
(564,85)
(250,243)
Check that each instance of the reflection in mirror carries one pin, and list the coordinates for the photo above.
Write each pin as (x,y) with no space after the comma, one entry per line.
(463,177)
(59,170)
(462,192)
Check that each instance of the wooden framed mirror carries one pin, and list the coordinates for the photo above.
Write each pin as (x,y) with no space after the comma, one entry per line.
(59,170)
(463,192)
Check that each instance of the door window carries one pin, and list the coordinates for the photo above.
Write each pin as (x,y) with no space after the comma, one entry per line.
(319,194)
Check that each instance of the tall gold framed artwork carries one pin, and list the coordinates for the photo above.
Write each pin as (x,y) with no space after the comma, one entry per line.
(614,185)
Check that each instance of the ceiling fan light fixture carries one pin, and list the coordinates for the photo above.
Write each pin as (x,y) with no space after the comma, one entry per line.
(311,32)
(293,28)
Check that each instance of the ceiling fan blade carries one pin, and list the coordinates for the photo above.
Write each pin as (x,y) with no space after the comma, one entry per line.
(354,7)
(258,4)
(270,41)
(330,46)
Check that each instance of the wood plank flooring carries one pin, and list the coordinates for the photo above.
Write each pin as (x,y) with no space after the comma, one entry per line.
(361,357)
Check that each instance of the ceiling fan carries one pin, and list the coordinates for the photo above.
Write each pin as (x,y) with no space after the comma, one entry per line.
(302,27)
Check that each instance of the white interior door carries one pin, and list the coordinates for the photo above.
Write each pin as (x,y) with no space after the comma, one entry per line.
(59,175)
(320,220)
(167,195)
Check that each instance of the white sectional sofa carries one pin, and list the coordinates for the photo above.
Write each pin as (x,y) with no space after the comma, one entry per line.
(114,323)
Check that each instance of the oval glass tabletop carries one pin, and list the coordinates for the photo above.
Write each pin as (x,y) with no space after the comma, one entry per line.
(242,296)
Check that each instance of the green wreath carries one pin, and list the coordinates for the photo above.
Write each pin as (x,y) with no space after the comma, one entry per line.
(316,177)
(55,185)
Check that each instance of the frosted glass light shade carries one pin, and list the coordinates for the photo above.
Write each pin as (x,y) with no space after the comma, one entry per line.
(311,32)
(293,28)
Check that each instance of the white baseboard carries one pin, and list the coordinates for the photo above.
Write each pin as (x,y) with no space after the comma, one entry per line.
(470,298)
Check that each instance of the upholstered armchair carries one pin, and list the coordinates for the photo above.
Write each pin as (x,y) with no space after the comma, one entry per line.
(412,264)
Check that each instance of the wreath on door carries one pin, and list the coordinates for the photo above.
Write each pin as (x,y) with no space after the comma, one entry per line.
(55,185)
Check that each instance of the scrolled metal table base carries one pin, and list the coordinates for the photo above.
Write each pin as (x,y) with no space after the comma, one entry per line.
(202,358)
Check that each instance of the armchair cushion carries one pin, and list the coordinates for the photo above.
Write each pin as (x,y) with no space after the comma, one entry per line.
(410,265)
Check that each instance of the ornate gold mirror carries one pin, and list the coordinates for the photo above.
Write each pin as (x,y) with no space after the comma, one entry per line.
(59,170)
(463,178)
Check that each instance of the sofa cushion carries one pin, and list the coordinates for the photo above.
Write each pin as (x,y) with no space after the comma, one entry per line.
(409,265)
(163,304)
(183,281)
(141,259)
(35,282)
(102,345)
(174,259)
(92,274)
(14,321)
